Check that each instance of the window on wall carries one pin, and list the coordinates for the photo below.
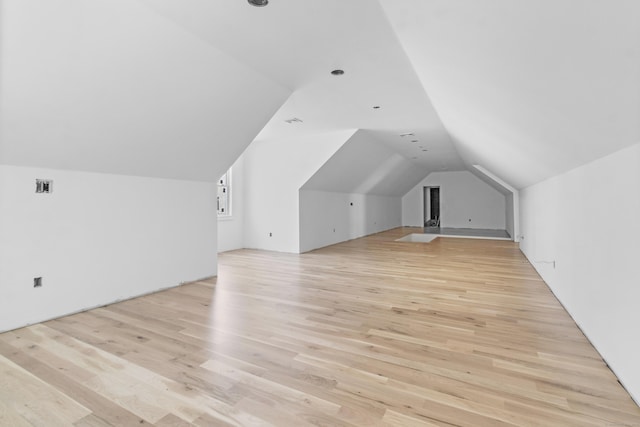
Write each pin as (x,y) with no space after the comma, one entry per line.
(224,195)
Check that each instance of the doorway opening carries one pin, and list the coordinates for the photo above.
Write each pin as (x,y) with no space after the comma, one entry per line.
(431,206)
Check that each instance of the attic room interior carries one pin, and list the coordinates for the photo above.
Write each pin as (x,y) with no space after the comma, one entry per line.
(314,296)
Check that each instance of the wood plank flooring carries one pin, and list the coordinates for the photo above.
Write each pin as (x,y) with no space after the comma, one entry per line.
(372,332)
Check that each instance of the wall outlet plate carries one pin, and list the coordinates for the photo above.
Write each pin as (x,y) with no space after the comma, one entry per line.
(44,185)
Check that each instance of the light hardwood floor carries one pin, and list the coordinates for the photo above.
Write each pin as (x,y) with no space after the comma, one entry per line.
(457,332)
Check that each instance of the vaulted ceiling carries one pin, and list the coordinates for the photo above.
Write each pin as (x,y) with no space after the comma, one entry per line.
(110,86)
(527,89)
(178,88)
(381,171)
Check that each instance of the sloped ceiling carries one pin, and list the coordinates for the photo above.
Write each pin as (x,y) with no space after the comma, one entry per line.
(178,88)
(527,89)
(298,43)
(364,165)
(108,86)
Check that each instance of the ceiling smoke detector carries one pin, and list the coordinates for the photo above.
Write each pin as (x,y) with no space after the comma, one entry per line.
(293,120)
(258,3)
(337,72)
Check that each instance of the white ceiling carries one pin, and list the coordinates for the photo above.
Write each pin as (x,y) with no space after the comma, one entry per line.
(381,170)
(178,88)
(298,43)
(527,89)
(107,86)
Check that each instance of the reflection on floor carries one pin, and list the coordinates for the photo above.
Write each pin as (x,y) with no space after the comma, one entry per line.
(469,232)
(418,237)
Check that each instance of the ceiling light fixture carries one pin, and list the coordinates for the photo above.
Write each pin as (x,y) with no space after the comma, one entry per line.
(337,72)
(258,3)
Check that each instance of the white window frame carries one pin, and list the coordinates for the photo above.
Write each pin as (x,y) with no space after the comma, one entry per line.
(224,185)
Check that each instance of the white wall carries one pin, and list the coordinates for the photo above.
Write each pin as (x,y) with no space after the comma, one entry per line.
(509,223)
(98,238)
(327,218)
(587,220)
(274,172)
(231,228)
(462,197)
(512,198)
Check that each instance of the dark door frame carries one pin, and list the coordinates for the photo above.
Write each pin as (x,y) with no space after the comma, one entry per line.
(431,205)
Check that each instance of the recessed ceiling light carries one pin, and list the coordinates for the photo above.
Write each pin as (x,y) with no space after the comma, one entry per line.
(337,72)
(376,107)
(406,134)
(293,120)
(258,3)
